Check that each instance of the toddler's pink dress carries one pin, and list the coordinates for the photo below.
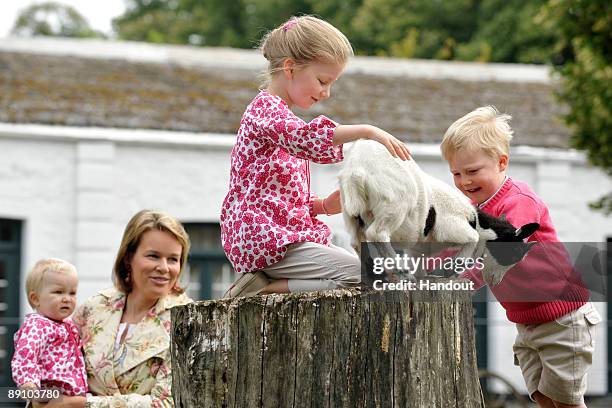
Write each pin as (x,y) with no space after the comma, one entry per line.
(48,354)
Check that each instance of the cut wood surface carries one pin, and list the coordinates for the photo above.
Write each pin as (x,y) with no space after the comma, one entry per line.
(340,348)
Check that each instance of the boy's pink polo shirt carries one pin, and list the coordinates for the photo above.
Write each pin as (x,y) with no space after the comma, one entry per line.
(546,273)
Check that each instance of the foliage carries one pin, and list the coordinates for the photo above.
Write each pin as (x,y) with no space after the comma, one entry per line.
(473,30)
(584,57)
(507,31)
(155,21)
(52,19)
(415,28)
(237,23)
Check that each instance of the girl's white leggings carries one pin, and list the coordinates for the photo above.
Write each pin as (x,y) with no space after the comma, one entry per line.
(309,266)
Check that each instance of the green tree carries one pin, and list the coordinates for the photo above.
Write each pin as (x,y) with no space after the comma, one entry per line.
(215,22)
(473,30)
(263,15)
(584,65)
(507,31)
(157,21)
(237,23)
(414,28)
(52,19)
(339,12)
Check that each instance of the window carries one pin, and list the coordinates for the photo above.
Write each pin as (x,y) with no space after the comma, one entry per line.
(609,304)
(10,248)
(209,271)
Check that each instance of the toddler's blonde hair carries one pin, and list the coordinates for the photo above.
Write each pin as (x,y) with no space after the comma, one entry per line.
(37,273)
(483,128)
(305,39)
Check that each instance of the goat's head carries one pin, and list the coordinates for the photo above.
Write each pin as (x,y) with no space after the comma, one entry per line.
(504,244)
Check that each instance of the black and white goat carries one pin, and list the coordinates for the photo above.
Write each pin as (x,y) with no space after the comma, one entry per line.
(385,199)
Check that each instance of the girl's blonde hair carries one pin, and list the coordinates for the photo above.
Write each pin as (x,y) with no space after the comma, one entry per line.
(483,128)
(141,222)
(304,39)
(37,273)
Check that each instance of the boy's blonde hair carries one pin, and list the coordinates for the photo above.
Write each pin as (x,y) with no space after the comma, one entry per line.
(37,273)
(483,128)
(304,39)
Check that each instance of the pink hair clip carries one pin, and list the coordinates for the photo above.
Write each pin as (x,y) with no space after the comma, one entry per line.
(289,24)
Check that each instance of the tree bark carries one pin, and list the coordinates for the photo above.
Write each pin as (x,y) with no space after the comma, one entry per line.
(340,348)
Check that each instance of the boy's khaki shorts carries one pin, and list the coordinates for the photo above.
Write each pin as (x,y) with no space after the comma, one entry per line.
(555,356)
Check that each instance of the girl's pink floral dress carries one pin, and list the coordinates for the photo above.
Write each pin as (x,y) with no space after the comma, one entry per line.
(269,204)
(48,354)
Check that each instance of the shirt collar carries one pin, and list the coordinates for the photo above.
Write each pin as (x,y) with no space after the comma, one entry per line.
(494,194)
(116,299)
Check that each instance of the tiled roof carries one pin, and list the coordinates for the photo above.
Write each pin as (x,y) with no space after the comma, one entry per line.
(38,87)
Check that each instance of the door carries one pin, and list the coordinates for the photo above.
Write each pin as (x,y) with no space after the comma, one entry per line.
(10,293)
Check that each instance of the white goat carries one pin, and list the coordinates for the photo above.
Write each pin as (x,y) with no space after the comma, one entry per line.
(385,199)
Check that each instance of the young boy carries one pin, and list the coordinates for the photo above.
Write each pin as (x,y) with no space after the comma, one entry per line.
(543,295)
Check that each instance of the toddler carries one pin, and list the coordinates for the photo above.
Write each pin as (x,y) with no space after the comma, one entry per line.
(269,218)
(47,346)
(543,295)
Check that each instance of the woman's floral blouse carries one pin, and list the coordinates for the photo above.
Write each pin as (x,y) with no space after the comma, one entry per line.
(138,373)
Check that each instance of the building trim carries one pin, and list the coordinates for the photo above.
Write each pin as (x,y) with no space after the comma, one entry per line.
(252,60)
(219,141)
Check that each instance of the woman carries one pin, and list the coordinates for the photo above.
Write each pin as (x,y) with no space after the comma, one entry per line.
(126,328)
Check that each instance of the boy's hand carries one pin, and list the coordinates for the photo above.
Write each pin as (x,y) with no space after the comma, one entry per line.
(493,272)
(395,146)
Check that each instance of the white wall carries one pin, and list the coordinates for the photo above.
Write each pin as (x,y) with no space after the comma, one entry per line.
(37,182)
(75,189)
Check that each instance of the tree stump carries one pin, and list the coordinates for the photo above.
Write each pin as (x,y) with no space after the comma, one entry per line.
(340,348)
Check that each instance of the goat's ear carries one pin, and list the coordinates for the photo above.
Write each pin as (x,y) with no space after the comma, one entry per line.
(526,230)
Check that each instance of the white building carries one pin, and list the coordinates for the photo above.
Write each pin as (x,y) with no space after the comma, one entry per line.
(79,155)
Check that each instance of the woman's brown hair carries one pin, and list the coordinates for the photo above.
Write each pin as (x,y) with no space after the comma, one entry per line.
(143,221)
